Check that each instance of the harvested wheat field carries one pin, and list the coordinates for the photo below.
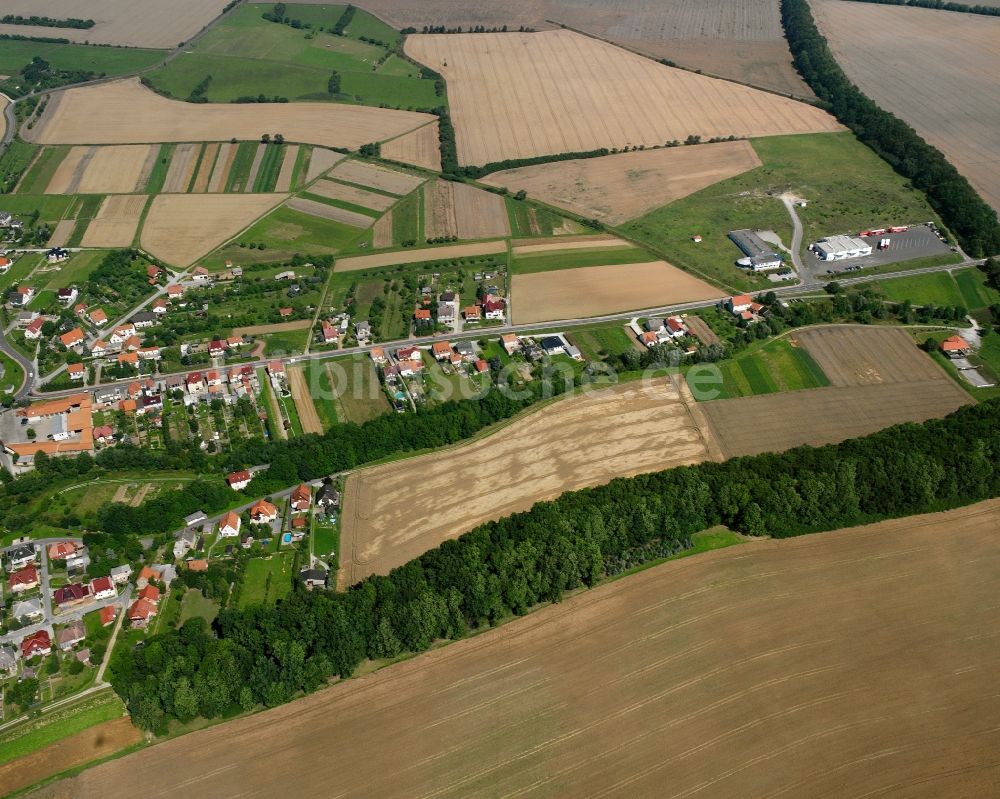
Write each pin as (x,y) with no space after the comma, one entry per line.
(116,221)
(457,209)
(376,177)
(67,175)
(181,168)
(131,113)
(95,742)
(180,228)
(597,290)
(396,512)
(102,170)
(419,148)
(934,69)
(543,245)
(382,232)
(63,230)
(416,256)
(163,24)
(303,401)
(616,188)
(325,211)
(206,168)
(258,156)
(223,163)
(858,662)
(284,181)
(320,161)
(521,95)
(333,190)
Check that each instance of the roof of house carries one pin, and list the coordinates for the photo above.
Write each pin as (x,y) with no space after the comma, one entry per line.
(422,313)
(108,613)
(275,367)
(231,520)
(71,634)
(241,476)
(198,565)
(70,593)
(61,549)
(141,610)
(482,366)
(38,640)
(127,406)
(99,584)
(150,592)
(741,299)
(441,347)
(263,508)
(302,492)
(98,315)
(75,368)
(128,357)
(74,336)
(26,576)
(148,573)
(954,344)
(299,521)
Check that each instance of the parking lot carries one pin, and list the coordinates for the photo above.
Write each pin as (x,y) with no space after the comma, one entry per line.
(917,242)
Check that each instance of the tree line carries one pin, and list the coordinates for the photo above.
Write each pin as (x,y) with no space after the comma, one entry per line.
(267,655)
(949,193)
(47,22)
(940,5)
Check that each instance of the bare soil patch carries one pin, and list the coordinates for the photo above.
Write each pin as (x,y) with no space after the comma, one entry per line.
(376,177)
(479,214)
(284,182)
(864,356)
(181,168)
(131,113)
(536,246)
(320,161)
(518,95)
(341,191)
(206,168)
(419,148)
(325,211)
(163,24)
(701,331)
(934,69)
(223,163)
(416,256)
(395,512)
(180,228)
(116,221)
(277,327)
(382,232)
(620,187)
(303,401)
(597,290)
(730,674)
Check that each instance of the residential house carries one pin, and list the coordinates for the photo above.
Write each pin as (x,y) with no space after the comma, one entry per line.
(152,353)
(455,359)
(152,271)
(150,592)
(201,275)
(446,313)
(61,550)
(103,588)
(955,347)
(410,368)
(407,353)
(70,594)
(739,304)
(327,496)
(675,327)
(108,614)
(159,306)
(217,348)
(175,292)
(313,578)
(23,579)
(33,331)
(378,356)
(20,555)
(482,367)
(649,338)
(128,359)
(299,527)
(246,540)
(121,574)
(284,313)
(8,661)
(213,378)
(195,518)
(140,612)
(471,313)
(56,255)
(104,434)
(494,310)
(363,331)
(128,406)
(70,636)
(510,342)
(5,264)
(185,542)
(76,371)
(234,342)
(229,526)
(74,338)
(144,319)
(301,499)
(263,512)
(553,345)
(200,565)
(327,332)
(422,316)
(466,349)
(21,296)
(27,610)
(78,561)
(97,317)
(67,296)
(441,350)
(276,369)
(98,349)
(36,644)
(25,318)
(146,574)
(239,480)
(194,382)
(80,309)
(122,333)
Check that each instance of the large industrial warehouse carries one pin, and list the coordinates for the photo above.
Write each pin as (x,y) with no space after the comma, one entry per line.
(837,248)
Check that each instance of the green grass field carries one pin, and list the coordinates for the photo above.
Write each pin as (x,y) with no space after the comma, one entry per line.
(292,341)
(51,207)
(266,580)
(406,219)
(571,259)
(107,61)
(240,171)
(848,188)
(285,232)
(87,209)
(159,174)
(20,270)
(318,379)
(326,541)
(300,170)
(775,366)
(359,397)
(195,604)
(602,341)
(13,374)
(941,288)
(14,162)
(247,56)
(77,269)
(36,179)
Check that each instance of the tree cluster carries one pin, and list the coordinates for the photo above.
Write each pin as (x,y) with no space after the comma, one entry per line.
(940,5)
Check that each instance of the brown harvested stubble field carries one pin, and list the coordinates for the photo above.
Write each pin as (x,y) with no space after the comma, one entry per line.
(106,170)
(324,211)
(863,657)
(395,512)
(131,113)
(163,24)
(303,401)
(67,175)
(597,290)
(589,242)
(382,232)
(376,177)
(206,167)
(937,70)
(181,168)
(738,39)
(333,190)
(320,160)
(616,188)
(63,230)
(116,221)
(181,228)
(416,256)
(457,209)
(223,163)
(419,148)
(284,181)
(521,95)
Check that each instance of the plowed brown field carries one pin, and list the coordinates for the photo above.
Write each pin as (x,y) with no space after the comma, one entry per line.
(937,70)
(420,148)
(396,512)
(284,182)
(116,221)
(597,290)
(114,170)
(180,228)
(341,191)
(865,356)
(181,168)
(325,211)
(860,661)
(457,209)
(223,163)
(617,188)
(206,168)
(382,232)
(321,160)
(521,95)
(67,175)
(376,177)
(131,113)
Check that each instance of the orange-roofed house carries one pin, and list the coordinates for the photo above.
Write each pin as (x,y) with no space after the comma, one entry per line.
(23,579)
(198,565)
(378,355)
(301,499)
(76,371)
(74,338)
(422,315)
(98,317)
(61,550)
(955,347)
(80,309)
(471,313)
(263,512)
(175,290)
(229,526)
(121,334)
(127,406)
(482,367)
(239,480)
(284,312)
(141,611)
(128,359)
(150,592)
(738,304)
(36,644)
(511,343)
(275,369)
(441,350)
(146,574)
(108,614)
(98,349)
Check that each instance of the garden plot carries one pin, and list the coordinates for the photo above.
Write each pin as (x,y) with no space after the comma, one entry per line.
(116,221)
(180,228)
(523,95)
(376,177)
(419,148)
(616,188)
(324,211)
(131,113)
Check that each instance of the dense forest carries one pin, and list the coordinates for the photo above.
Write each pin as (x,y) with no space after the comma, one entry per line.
(962,209)
(267,655)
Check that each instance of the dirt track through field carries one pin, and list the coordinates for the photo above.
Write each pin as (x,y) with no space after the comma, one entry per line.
(619,187)
(116,221)
(324,211)
(396,512)
(303,401)
(598,290)
(937,70)
(376,177)
(522,95)
(415,256)
(284,182)
(181,168)
(132,114)
(223,163)
(333,190)
(206,168)
(420,148)
(864,657)
(382,232)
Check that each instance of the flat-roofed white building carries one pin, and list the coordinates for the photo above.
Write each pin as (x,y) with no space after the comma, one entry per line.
(837,248)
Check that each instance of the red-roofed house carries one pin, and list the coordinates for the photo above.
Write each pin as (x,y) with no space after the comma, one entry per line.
(98,317)
(284,312)
(102,588)
(441,350)
(128,359)
(201,274)
(140,612)
(150,592)
(738,304)
(104,434)
(70,594)
(494,309)
(73,338)
(80,309)
(33,332)
(217,348)
(471,313)
(482,367)
(175,291)
(108,613)
(36,644)
(127,406)
(76,371)
(263,512)
(230,525)
(61,550)
(327,332)
(275,369)
(159,306)
(194,382)
(146,574)
(98,349)
(198,565)
(239,480)
(955,347)
(422,315)
(122,333)
(301,499)
(23,579)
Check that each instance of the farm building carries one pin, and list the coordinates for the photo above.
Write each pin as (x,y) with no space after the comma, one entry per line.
(837,248)
(759,256)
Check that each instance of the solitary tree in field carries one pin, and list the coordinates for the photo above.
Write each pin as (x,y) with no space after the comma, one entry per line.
(265,138)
